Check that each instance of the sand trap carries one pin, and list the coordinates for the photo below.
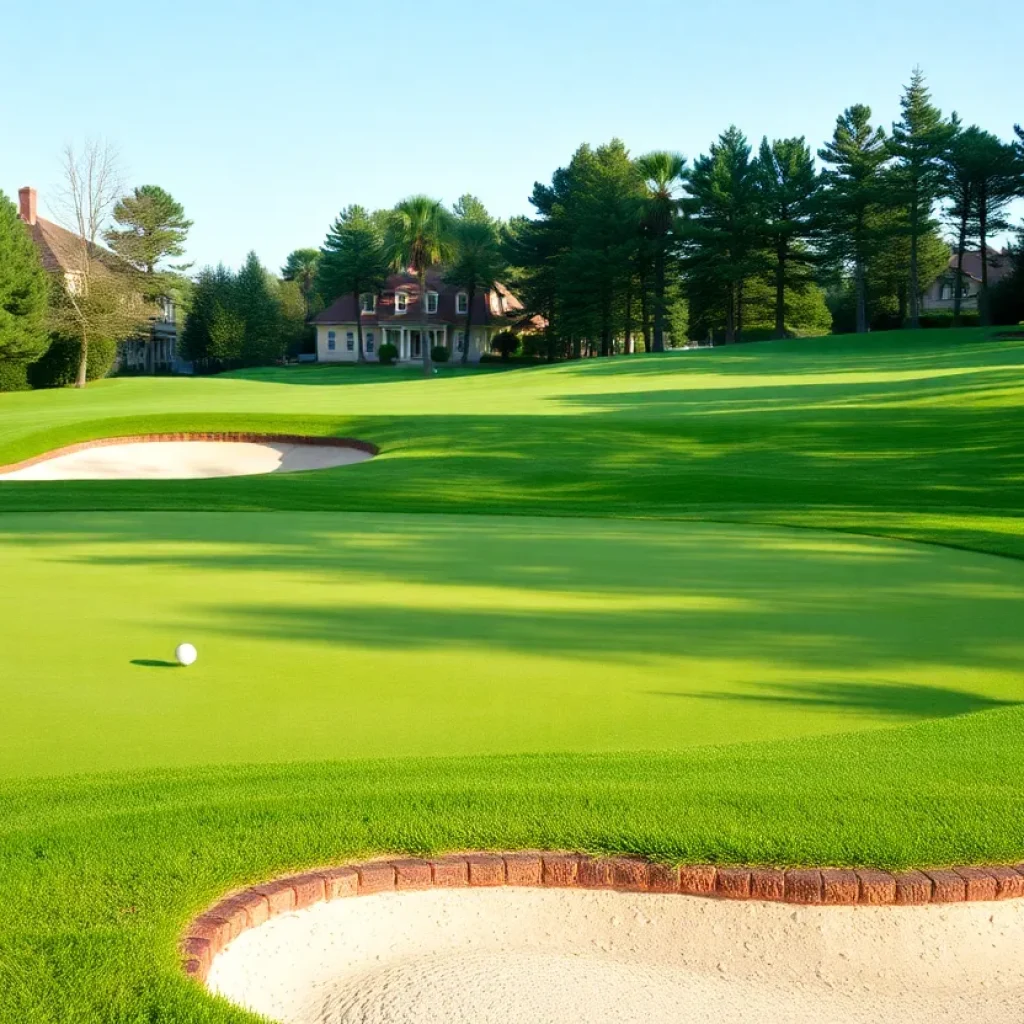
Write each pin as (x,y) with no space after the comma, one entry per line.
(539,956)
(186,460)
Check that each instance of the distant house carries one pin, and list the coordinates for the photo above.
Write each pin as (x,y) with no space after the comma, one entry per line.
(59,250)
(396,316)
(941,295)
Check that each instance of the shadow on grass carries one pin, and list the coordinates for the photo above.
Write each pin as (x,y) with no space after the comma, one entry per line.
(153,663)
(887,699)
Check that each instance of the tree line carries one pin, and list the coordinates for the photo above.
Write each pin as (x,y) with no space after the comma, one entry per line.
(745,243)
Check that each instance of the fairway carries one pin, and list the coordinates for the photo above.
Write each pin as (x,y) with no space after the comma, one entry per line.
(754,605)
(325,636)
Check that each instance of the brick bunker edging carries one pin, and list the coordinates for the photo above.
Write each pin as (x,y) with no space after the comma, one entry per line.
(211,932)
(249,436)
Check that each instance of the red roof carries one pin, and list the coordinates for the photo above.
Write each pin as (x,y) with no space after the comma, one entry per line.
(492,307)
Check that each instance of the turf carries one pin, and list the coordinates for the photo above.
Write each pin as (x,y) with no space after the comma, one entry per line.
(667,605)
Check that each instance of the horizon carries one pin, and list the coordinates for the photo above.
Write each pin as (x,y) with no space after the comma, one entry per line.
(295,143)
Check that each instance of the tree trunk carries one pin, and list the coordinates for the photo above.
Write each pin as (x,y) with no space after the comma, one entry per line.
(961,245)
(470,292)
(550,332)
(424,346)
(645,312)
(780,293)
(628,341)
(359,327)
(914,320)
(983,310)
(730,314)
(83,362)
(860,296)
(659,301)
(739,312)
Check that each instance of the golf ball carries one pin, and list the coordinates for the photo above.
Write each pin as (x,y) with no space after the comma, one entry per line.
(186,654)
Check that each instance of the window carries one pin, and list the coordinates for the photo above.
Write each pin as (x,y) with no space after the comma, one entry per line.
(431,302)
(462,303)
(350,341)
(368,302)
(460,341)
(401,302)
(369,342)
(331,343)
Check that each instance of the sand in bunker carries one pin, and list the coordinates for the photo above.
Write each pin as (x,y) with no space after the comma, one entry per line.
(187,460)
(535,956)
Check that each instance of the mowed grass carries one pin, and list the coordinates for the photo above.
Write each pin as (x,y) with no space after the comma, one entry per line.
(662,605)
(339,636)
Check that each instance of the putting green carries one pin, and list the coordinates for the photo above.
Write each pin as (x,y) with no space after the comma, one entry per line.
(350,635)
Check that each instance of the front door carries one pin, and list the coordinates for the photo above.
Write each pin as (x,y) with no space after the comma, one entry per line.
(415,351)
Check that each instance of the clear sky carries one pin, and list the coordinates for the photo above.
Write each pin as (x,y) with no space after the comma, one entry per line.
(266,118)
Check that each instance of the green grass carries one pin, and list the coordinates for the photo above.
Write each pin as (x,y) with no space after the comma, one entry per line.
(664,605)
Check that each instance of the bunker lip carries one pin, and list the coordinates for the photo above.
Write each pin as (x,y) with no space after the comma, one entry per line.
(314,452)
(450,936)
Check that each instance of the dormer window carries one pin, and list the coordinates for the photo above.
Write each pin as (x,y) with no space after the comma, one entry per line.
(431,302)
(462,303)
(368,302)
(401,302)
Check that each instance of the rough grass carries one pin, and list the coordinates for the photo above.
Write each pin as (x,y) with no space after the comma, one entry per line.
(693,676)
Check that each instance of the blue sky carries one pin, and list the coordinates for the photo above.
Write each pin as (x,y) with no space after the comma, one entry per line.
(266,118)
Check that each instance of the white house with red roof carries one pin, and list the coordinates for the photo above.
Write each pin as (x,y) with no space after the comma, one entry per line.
(396,316)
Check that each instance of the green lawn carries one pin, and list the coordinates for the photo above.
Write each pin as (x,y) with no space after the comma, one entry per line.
(671,605)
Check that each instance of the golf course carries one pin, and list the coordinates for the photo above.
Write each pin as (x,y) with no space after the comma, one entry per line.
(759,604)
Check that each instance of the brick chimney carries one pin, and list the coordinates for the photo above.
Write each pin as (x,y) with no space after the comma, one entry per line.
(27,201)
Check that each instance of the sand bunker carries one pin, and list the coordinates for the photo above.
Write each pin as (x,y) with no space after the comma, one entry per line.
(536,956)
(186,460)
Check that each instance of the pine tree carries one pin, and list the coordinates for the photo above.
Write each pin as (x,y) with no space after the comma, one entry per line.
(302,267)
(724,229)
(853,189)
(23,294)
(789,191)
(257,306)
(919,143)
(354,262)
(152,228)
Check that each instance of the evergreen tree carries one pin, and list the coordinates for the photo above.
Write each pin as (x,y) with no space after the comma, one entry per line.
(354,262)
(959,189)
(724,229)
(919,143)
(259,309)
(855,159)
(23,296)
(469,208)
(205,337)
(789,192)
(662,173)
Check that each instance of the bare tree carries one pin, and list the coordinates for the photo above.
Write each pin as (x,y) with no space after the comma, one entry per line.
(97,299)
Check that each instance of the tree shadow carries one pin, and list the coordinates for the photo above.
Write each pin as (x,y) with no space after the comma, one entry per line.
(890,700)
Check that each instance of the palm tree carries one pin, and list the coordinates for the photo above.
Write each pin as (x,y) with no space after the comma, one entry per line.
(301,267)
(477,267)
(420,239)
(663,176)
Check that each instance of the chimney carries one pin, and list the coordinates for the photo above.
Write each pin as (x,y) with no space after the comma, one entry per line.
(27,201)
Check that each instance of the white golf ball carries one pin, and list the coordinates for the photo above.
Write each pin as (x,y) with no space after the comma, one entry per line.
(186,654)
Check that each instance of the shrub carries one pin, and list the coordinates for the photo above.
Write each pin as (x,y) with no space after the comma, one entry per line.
(14,376)
(944,319)
(440,354)
(59,367)
(505,344)
(387,353)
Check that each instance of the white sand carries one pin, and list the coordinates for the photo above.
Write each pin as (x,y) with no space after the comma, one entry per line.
(536,956)
(186,460)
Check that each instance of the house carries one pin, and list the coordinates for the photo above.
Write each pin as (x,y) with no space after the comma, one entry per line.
(59,252)
(395,315)
(941,295)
